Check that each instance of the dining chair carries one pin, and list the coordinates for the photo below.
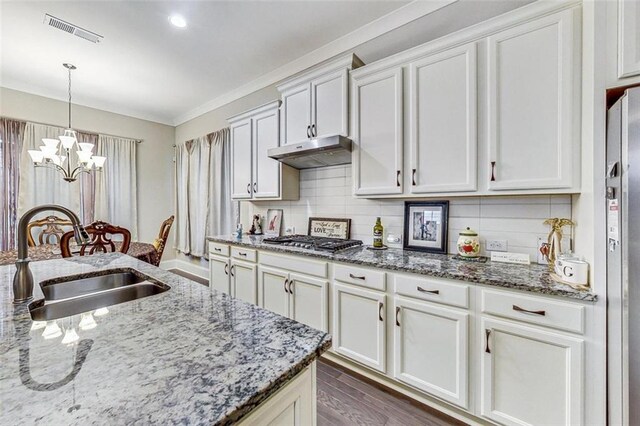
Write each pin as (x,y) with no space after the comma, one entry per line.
(100,234)
(51,232)
(160,242)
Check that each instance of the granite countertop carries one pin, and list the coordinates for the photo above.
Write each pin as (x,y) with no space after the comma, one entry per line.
(187,355)
(532,278)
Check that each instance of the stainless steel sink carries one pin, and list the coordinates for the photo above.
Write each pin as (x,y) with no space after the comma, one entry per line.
(75,296)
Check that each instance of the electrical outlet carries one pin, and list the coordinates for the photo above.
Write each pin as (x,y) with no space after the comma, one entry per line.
(496,245)
(290,230)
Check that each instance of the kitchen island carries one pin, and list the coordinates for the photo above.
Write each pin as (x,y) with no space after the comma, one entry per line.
(188,355)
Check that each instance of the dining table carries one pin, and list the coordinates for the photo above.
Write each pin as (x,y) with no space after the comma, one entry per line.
(142,251)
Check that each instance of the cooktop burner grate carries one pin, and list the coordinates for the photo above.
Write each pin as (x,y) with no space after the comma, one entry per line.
(313,243)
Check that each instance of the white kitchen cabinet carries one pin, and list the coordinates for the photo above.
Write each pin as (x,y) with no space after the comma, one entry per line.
(244,281)
(443,121)
(219,278)
(316,103)
(241,159)
(530,376)
(628,40)
(253,174)
(272,290)
(359,325)
(533,104)
(378,132)
(431,349)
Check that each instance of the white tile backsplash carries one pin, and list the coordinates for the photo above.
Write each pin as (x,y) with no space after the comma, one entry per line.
(326,192)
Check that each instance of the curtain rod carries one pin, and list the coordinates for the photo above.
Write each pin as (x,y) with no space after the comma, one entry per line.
(208,134)
(79,130)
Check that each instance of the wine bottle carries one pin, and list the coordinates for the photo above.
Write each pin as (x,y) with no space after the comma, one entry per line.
(377,234)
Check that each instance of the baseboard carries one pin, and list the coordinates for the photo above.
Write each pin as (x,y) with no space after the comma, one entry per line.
(197,270)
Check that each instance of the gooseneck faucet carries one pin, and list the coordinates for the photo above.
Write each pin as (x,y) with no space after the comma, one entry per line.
(23,279)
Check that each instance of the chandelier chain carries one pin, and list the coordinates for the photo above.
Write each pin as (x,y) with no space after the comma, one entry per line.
(69,97)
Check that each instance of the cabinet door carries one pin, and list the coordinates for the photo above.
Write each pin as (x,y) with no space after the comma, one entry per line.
(377,133)
(272,290)
(628,40)
(430,349)
(358,325)
(266,171)
(329,104)
(243,280)
(443,121)
(309,301)
(296,114)
(533,107)
(219,274)
(241,159)
(530,376)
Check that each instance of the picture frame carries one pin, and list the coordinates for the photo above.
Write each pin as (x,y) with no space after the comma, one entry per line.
(426,226)
(273,223)
(329,227)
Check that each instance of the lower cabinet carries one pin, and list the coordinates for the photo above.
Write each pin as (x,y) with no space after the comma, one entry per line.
(359,325)
(244,281)
(219,278)
(430,349)
(530,376)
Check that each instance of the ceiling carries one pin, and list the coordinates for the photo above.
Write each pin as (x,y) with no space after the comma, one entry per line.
(145,67)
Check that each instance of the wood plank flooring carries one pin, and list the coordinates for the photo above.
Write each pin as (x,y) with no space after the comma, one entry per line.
(192,277)
(345,398)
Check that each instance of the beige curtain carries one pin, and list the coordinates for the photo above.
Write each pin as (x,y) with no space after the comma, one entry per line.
(221,219)
(11,133)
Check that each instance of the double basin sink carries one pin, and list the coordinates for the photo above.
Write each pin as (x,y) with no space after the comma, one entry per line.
(74,296)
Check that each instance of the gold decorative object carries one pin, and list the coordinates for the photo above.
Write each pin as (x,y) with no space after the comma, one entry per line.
(554,240)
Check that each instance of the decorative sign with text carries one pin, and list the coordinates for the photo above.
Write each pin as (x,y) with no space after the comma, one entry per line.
(329,228)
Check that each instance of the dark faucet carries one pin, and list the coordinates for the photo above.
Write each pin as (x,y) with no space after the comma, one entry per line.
(23,280)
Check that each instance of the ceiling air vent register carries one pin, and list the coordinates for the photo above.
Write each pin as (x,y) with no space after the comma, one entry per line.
(72,29)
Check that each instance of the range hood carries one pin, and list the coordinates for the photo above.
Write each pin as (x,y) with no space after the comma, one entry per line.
(321,152)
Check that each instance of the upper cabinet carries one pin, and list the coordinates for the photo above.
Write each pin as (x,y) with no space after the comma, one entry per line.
(315,104)
(253,174)
(628,39)
(533,104)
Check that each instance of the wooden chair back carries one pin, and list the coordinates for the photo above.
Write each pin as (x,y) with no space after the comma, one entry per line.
(101,242)
(51,232)
(161,241)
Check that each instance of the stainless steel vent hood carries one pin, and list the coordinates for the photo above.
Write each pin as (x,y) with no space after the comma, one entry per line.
(321,152)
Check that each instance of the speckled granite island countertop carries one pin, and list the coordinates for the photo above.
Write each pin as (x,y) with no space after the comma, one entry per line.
(533,278)
(185,356)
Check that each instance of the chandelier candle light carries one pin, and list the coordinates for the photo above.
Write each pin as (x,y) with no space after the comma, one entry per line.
(56,153)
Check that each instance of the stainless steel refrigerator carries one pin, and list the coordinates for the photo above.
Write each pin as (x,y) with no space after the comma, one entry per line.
(623,260)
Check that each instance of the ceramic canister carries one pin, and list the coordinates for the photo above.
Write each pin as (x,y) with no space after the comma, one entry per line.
(469,243)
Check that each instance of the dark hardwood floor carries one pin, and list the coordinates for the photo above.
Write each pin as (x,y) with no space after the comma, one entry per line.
(192,277)
(345,398)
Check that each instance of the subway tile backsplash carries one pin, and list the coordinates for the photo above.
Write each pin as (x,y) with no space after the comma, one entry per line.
(326,192)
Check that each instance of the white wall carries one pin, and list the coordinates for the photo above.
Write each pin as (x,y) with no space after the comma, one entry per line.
(155,153)
(326,192)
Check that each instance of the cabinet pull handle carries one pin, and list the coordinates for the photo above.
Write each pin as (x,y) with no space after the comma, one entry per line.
(286,281)
(226,269)
(526,311)
(428,291)
(290,286)
(248,188)
(255,186)
(242,254)
(398,178)
(217,249)
(397,313)
(356,277)
(493,171)
(232,270)
(487,333)
(308,130)
(413,177)
(380,306)
(314,131)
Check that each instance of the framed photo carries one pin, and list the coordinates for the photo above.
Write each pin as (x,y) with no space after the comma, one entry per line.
(425,225)
(330,228)
(274,222)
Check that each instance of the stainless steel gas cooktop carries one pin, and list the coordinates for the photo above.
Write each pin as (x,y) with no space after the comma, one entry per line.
(313,243)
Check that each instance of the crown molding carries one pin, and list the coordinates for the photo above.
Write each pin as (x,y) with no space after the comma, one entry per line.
(373,29)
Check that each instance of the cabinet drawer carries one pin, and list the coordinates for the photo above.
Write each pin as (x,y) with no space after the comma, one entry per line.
(243,254)
(316,268)
(219,249)
(535,310)
(433,289)
(360,276)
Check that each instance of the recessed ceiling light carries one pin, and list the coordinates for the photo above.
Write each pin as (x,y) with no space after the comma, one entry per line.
(178,21)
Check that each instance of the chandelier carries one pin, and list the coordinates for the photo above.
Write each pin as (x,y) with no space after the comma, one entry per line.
(56,154)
